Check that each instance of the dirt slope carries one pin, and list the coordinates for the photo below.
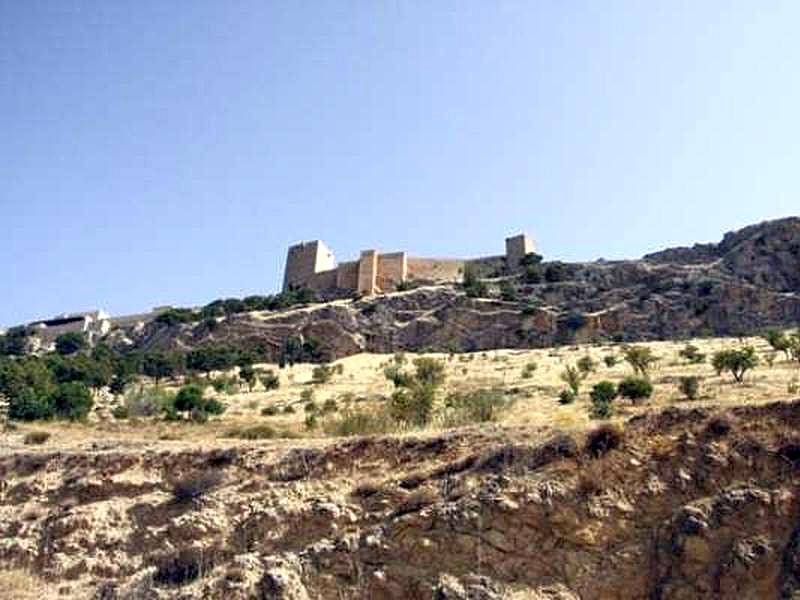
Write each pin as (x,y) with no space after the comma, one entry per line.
(694,503)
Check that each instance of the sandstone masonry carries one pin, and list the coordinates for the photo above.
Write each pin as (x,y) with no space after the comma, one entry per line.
(312,265)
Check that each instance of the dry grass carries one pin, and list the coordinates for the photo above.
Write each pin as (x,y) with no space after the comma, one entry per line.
(19,584)
(361,384)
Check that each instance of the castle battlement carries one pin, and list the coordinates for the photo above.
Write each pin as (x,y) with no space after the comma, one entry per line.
(313,265)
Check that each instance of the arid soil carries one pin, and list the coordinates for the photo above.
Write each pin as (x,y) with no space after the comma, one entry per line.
(691,503)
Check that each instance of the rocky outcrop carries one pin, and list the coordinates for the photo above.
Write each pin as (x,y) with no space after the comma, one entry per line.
(691,504)
(749,281)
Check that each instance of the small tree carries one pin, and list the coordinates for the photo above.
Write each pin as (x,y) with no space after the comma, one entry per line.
(248,374)
(573,378)
(640,358)
(690,386)
(736,361)
(473,286)
(794,346)
(635,389)
(189,397)
(779,341)
(72,401)
(71,342)
(270,380)
(159,365)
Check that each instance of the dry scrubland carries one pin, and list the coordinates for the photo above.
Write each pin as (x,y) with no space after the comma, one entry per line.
(362,386)
(183,510)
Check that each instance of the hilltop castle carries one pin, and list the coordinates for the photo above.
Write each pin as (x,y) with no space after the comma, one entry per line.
(312,265)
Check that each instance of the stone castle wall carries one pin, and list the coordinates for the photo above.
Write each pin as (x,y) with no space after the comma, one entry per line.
(312,265)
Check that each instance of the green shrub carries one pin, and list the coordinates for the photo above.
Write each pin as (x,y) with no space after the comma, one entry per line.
(256,432)
(692,354)
(249,375)
(586,365)
(779,341)
(147,401)
(189,397)
(71,342)
(359,422)
(477,406)
(528,370)
(573,378)
(635,389)
(269,411)
(329,406)
(690,386)
(288,409)
(224,384)
(566,396)
(310,407)
(602,395)
(610,360)
(120,412)
(214,407)
(36,438)
(429,371)
(270,380)
(30,404)
(72,401)
(190,400)
(413,405)
(322,374)
(311,421)
(307,395)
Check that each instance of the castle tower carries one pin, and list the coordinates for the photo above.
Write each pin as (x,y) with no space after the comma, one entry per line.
(517,247)
(304,260)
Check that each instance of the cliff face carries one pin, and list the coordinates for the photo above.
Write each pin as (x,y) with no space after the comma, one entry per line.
(750,280)
(689,504)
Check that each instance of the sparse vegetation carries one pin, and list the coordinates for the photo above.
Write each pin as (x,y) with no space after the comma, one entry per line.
(478,406)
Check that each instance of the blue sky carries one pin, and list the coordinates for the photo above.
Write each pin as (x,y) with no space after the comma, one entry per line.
(168,152)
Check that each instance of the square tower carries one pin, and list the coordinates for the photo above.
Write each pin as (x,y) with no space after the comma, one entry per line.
(304,260)
(517,247)
(368,272)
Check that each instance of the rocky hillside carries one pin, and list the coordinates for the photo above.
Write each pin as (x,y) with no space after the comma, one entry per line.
(688,503)
(749,281)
